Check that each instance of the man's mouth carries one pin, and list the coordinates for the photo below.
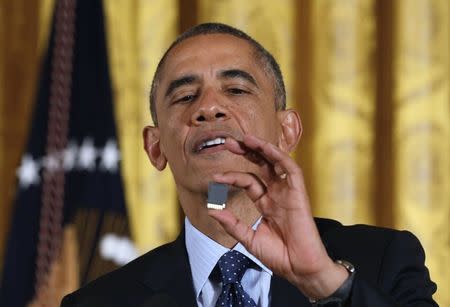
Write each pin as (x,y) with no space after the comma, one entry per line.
(211,143)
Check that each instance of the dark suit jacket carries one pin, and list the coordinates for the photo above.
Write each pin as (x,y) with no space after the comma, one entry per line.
(389,265)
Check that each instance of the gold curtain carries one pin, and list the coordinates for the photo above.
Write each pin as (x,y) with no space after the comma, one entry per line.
(370,78)
(23,35)
(269,22)
(422,130)
(343,93)
(138,33)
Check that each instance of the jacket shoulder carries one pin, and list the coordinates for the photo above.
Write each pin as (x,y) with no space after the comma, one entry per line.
(371,249)
(114,288)
(358,234)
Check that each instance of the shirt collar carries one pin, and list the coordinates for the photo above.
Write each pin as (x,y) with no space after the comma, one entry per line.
(204,253)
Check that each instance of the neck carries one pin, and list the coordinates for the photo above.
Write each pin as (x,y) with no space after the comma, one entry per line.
(194,206)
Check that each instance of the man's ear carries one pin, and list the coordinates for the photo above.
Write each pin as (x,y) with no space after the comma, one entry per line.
(152,147)
(291,129)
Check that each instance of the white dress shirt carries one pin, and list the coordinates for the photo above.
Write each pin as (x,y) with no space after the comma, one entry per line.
(203,255)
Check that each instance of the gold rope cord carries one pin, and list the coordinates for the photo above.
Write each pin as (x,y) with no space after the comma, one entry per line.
(50,234)
(343,93)
(138,33)
(63,277)
(422,131)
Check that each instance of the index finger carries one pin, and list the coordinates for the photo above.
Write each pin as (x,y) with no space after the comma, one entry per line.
(269,151)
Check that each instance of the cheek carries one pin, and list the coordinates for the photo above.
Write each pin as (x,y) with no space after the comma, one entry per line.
(174,129)
(178,115)
(258,121)
(171,139)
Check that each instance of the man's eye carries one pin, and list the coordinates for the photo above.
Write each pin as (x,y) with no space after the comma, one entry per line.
(186,98)
(236,91)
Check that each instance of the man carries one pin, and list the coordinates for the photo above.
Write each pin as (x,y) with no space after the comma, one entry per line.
(218,104)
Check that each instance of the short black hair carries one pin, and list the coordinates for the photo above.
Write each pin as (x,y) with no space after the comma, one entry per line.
(270,64)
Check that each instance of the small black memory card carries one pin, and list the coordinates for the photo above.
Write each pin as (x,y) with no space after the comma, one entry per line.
(217,195)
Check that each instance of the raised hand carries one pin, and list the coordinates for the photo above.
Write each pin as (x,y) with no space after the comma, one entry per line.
(287,240)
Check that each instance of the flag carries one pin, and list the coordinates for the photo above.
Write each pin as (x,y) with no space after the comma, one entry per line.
(69,224)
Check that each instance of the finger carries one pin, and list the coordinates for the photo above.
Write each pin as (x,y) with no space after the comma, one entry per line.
(253,186)
(235,146)
(234,227)
(256,155)
(279,170)
(239,148)
(265,206)
(272,153)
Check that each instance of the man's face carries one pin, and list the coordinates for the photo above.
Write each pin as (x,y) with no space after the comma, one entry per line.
(212,87)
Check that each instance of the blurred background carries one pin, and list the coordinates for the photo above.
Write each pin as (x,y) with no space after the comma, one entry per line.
(79,197)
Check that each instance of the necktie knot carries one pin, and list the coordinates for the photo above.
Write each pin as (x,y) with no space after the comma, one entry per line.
(233,265)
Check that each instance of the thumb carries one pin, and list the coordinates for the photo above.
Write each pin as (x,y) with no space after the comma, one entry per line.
(234,227)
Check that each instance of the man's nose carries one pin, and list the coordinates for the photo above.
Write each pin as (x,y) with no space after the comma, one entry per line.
(209,108)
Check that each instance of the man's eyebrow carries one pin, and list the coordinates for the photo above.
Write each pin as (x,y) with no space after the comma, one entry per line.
(184,80)
(237,73)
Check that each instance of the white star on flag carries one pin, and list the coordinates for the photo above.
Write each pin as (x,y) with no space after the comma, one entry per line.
(28,172)
(110,156)
(87,155)
(70,155)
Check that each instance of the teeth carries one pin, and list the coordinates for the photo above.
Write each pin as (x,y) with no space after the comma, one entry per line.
(216,141)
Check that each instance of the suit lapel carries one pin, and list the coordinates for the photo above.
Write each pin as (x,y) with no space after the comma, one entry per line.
(171,279)
(180,285)
(172,276)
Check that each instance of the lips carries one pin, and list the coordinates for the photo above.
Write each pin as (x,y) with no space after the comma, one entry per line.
(211,141)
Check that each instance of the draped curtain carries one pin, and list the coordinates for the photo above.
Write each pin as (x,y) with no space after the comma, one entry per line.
(24,27)
(370,79)
(138,33)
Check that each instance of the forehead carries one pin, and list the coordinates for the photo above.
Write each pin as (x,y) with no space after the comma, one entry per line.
(210,52)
